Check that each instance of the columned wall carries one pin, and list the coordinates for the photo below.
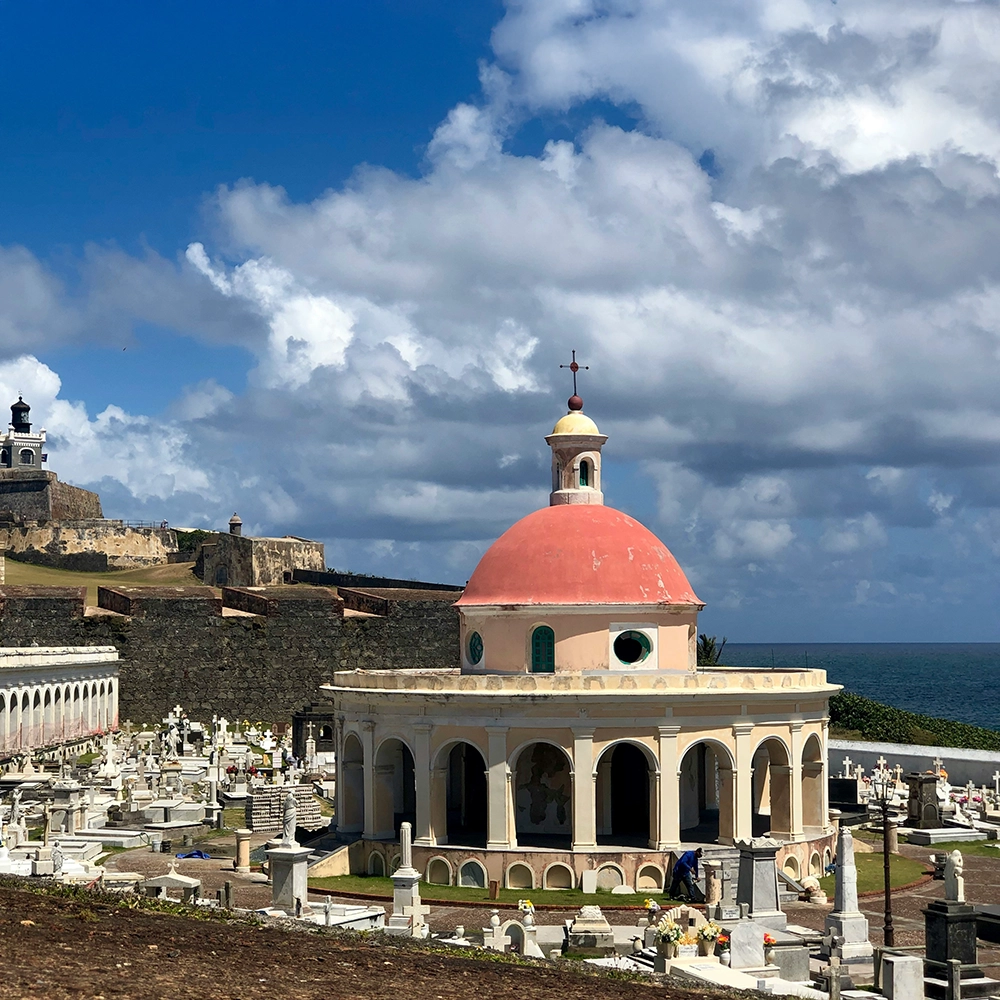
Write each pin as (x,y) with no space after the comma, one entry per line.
(48,696)
(502,787)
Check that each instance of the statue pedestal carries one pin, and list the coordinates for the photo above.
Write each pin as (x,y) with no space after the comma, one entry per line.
(407,911)
(288,868)
(950,931)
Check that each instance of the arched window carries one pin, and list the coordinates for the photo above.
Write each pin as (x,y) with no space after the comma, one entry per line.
(543,650)
(5,458)
(27,457)
(585,473)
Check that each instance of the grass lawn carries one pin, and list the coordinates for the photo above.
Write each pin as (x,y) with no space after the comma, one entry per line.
(570,898)
(902,871)
(981,848)
(172,575)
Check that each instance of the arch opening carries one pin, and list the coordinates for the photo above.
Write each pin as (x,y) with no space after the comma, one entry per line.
(625,797)
(707,794)
(395,789)
(466,796)
(543,650)
(813,786)
(772,791)
(543,796)
(351,772)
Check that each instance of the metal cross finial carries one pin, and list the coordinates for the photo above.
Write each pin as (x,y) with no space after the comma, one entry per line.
(574,367)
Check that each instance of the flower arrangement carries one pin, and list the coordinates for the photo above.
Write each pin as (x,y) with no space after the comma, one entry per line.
(650,904)
(709,931)
(769,941)
(526,906)
(668,931)
(722,941)
(688,939)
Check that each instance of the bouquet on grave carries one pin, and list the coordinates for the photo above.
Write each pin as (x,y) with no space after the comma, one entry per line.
(723,942)
(668,930)
(526,906)
(689,939)
(651,904)
(709,931)
(769,941)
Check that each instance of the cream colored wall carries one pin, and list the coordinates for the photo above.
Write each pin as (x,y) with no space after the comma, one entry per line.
(582,639)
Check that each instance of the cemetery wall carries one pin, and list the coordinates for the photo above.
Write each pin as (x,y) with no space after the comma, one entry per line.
(257,654)
(963,766)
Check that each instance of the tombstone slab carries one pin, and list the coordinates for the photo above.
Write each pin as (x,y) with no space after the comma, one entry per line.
(746,945)
(902,977)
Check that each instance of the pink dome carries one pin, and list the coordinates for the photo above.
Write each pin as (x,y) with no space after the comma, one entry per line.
(578,554)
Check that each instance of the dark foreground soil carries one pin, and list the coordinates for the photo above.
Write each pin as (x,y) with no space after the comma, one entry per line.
(91,949)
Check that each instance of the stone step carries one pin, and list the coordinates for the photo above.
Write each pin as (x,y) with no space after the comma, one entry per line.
(972,989)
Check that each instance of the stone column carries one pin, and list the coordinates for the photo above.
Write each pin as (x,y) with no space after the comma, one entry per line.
(797,831)
(498,835)
(669,827)
(584,806)
(743,779)
(825,756)
(338,788)
(422,780)
(242,860)
(439,804)
(368,746)
(846,920)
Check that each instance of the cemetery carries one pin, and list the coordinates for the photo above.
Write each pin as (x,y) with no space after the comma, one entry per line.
(578,794)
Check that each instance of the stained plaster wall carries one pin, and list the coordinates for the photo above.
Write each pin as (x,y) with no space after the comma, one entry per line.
(245,561)
(262,660)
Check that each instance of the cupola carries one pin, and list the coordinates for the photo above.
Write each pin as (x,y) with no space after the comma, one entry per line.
(19,417)
(576,457)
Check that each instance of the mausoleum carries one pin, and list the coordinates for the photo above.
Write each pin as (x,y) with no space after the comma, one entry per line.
(579,732)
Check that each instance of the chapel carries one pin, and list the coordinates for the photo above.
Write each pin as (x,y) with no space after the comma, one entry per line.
(579,733)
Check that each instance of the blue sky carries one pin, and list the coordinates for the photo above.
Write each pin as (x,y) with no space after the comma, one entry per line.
(320,262)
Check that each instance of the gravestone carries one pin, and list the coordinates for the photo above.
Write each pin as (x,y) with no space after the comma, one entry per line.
(847,922)
(288,865)
(950,941)
(758,881)
(746,946)
(923,811)
(590,933)
(902,977)
(407,911)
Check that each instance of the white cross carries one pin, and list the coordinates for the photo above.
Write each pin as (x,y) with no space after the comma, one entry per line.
(937,762)
(899,773)
(881,763)
(859,773)
(996,782)
(847,766)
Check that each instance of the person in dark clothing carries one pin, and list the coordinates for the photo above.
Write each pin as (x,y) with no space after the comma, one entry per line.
(685,871)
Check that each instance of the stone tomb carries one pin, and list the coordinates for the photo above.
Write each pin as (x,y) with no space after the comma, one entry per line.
(758,881)
(590,934)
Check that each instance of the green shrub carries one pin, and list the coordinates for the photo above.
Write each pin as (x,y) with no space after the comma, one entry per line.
(871,720)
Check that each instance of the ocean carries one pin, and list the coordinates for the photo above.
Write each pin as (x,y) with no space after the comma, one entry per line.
(951,680)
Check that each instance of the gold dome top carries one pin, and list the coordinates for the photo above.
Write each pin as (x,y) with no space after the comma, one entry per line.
(575,422)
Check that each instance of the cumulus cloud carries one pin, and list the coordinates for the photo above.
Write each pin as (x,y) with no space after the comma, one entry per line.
(784,277)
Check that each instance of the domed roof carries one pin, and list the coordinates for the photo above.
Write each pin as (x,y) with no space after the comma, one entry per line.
(575,422)
(578,554)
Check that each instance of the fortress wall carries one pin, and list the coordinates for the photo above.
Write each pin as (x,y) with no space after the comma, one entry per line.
(68,503)
(88,545)
(186,646)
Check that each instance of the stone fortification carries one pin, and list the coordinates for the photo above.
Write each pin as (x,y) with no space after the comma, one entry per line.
(253,653)
(39,496)
(237,560)
(87,545)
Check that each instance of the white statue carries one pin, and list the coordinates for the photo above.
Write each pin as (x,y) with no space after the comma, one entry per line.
(954,883)
(57,858)
(15,807)
(288,819)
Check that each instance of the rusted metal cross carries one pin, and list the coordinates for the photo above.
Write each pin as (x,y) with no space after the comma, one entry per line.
(574,367)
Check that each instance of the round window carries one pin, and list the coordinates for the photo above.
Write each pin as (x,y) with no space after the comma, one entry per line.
(475,645)
(632,647)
